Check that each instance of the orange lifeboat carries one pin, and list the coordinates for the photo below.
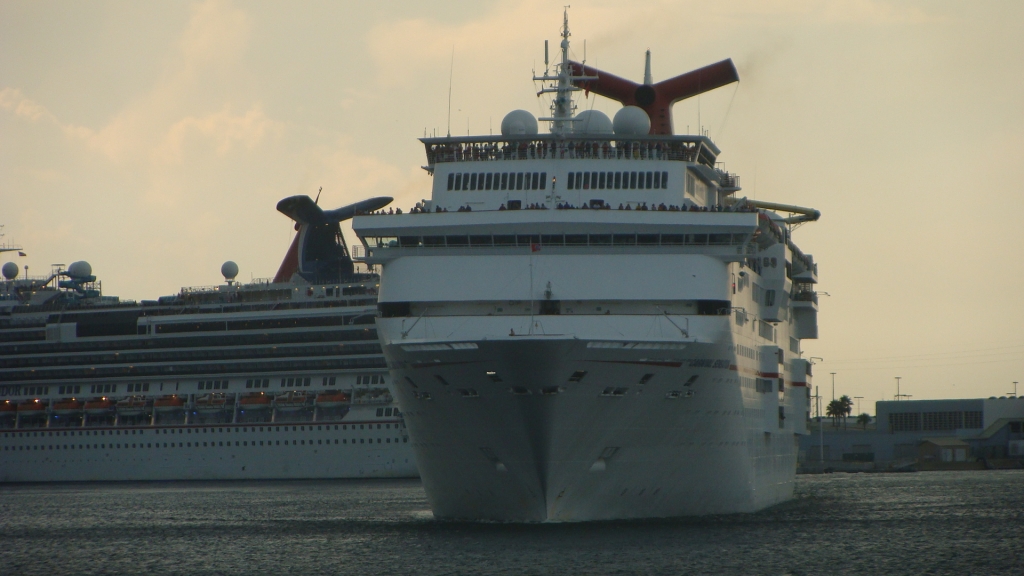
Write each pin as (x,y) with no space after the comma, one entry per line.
(213,402)
(170,403)
(254,401)
(290,401)
(36,406)
(7,408)
(68,407)
(333,399)
(98,406)
(131,406)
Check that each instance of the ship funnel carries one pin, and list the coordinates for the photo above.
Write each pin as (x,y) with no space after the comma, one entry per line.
(318,253)
(656,99)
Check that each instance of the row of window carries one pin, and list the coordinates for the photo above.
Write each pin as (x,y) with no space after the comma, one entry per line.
(70,390)
(934,421)
(52,351)
(213,385)
(220,352)
(270,324)
(617,180)
(210,430)
(499,181)
(163,370)
(257,383)
(534,240)
(205,444)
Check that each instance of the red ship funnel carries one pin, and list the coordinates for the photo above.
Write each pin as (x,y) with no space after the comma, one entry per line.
(657,99)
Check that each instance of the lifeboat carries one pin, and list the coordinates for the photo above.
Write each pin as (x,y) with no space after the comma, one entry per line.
(131,406)
(254,401)
(213,402)
(7,408)
(290,401)
(170,403)
(30,407)
(68,407)
(333,399)
(98,406)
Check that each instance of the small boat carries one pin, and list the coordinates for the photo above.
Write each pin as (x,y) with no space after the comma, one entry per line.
(36,406)
(290,401)
(213,402)
(68,407)
(333,399)
(255,401)
(98,406)
(170,403)
(131,406)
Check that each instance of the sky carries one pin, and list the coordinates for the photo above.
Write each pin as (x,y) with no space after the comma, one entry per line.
(154,139)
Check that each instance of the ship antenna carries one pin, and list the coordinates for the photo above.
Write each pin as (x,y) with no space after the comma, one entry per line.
(317,201)
(562,85)
(451,73)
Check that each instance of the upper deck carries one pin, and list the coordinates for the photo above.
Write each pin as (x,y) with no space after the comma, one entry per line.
(491,172)
(693,149)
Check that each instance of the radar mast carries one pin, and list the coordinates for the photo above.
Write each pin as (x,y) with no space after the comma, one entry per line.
(561,85)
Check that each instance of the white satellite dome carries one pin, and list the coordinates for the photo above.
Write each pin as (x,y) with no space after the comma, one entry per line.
(592,122)
(10,270)
(80,269)
(631,121)
(229,270)
(519,123)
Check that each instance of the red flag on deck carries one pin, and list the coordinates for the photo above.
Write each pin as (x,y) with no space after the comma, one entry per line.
(534,247)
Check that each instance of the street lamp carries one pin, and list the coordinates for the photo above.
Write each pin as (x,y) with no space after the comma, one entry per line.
(833,385)
(898,388)
(858,399)
(1015,389)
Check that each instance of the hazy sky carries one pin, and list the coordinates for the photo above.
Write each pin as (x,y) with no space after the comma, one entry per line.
(154,139)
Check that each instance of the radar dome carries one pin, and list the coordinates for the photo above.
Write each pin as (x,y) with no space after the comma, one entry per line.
(80,269)
(631,121)
(592,122)
(518,123)
(229,270)
(10,270)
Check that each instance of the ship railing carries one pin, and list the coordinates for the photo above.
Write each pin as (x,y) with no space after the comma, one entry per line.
(487,149)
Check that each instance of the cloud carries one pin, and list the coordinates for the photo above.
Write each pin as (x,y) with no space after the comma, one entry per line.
(223,129)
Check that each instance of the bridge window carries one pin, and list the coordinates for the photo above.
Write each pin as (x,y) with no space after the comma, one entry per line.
(519,181)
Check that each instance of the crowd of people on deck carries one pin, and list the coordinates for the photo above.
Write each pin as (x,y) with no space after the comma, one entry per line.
(420,208)
(602,149)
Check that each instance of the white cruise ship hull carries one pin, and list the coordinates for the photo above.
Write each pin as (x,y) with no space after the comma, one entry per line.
(536,447)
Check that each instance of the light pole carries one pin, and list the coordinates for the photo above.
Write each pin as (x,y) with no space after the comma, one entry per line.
(833,385)
(898,388)
(1015,389)
(858,398)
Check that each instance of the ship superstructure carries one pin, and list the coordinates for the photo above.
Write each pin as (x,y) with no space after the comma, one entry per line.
(588,324)
(279,378)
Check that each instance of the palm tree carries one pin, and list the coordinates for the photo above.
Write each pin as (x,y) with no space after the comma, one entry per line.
(864,420)
(835,409)
(847,405)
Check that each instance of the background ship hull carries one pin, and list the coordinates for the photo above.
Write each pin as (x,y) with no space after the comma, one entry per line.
(207,453)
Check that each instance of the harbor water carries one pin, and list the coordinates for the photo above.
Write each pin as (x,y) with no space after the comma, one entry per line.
(915,523)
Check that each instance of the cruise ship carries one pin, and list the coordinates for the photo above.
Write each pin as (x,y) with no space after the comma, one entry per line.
(591,323)
(277,378)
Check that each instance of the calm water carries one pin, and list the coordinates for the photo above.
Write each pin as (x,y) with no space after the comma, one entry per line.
(923,523)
